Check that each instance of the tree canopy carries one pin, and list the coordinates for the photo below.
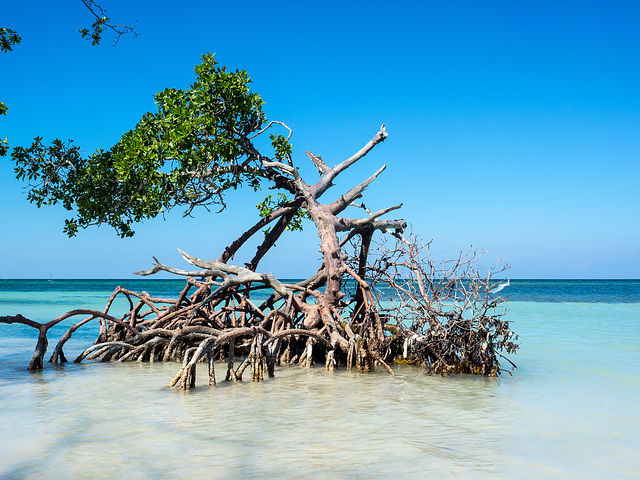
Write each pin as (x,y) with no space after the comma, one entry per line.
(197,145)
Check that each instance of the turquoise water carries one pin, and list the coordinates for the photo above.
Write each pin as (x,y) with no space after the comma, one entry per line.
(570,410)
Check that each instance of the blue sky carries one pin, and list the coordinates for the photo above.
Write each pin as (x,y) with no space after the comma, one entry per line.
(513,126)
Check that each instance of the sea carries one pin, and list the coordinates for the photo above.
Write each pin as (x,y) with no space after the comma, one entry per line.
(571,408)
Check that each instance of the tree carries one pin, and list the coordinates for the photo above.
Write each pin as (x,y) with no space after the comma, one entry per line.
(202,142)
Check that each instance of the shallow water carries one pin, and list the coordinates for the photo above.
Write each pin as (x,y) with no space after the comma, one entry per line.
(571,409)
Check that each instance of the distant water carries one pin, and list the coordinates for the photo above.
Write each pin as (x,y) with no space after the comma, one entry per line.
(570,410)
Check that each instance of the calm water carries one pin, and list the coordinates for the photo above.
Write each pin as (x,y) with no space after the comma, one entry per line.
(571,409)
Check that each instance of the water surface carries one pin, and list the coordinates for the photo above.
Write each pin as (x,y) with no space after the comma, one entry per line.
(570,410)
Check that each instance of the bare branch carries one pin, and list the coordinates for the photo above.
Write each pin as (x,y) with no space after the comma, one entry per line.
(101,20)
(353,194)
(318,162)
(272,122)
(378,137)
(346,224)
(327,179)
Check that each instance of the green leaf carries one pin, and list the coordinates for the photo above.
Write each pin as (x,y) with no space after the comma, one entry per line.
(187,153)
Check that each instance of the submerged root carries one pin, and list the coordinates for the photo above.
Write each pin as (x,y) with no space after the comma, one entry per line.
(223,322)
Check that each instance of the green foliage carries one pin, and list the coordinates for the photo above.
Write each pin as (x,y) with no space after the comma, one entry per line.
(8,38)
(96,30)
(4,144)
(188,153)
(282,147)
(269,205)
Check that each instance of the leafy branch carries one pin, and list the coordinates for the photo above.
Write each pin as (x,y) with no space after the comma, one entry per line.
(101,22)
(8,38)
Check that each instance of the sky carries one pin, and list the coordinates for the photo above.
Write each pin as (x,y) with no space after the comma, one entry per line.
(514,127)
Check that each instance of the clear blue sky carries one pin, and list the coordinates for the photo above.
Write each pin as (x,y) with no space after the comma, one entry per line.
(513,126)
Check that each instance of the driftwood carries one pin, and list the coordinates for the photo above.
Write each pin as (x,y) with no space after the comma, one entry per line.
(444,319)
(447,317)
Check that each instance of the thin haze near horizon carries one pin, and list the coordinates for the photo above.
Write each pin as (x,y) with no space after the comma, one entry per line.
(513,126)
